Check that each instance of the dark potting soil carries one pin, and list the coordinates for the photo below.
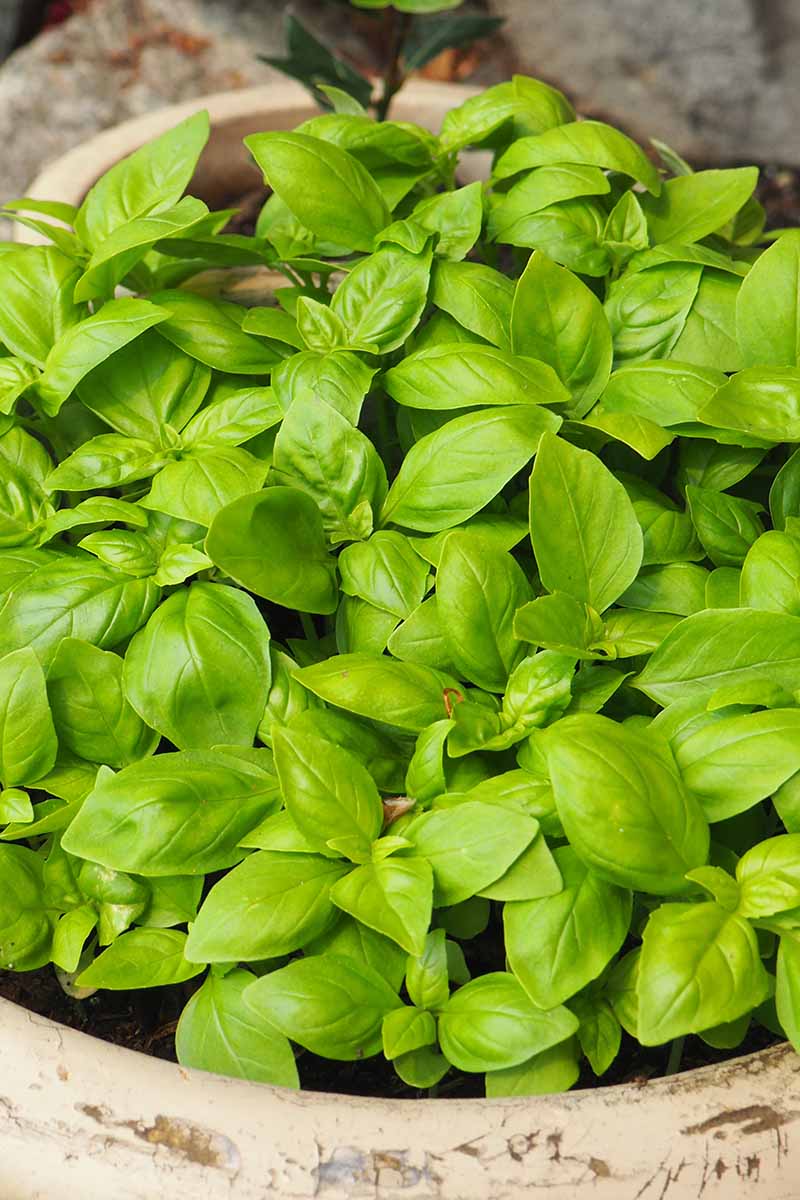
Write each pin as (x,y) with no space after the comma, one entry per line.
(145,1020)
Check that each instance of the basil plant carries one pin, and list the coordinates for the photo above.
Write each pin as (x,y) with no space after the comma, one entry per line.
(443,612)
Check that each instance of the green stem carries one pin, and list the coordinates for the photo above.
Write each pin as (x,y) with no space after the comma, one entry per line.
(309,629)
(675,1055)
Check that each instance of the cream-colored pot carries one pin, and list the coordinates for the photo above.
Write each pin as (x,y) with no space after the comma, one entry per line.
(84,1120)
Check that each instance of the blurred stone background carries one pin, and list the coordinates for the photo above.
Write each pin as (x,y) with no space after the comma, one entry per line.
(715,78)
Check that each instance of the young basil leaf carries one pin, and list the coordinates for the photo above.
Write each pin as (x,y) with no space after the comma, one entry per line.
(588,143)
(91,712)
(271,904)
(553,1070)
(722,648)
(325,187)
(557,319)
(769,877)
(490,1024)
(38,307)
(199,671)
(405,695)
(218,1032)
(760,402)
(141,958)
(329,795)
(468,847)
(700,967)
(331,1005)
(765,328)
(477,297)
(558,944)
(690,207)
(478,590)
(28,743)
(647,310)
(386,571)
(596,555)
(623,805)
(483,450)
(25,928)
(338,378)
(211,332)
(109,460)
(452,375)
(149,180)
(85,346)
(272,542)
(176,814)
(319,452)
(393,896)
(382,299)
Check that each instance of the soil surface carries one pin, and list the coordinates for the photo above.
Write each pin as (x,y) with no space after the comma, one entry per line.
(145,1020)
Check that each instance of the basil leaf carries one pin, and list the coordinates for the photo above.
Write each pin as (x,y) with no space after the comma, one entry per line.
(271,904)
(272,543)
(490,1024)
(337,199)
(690,207)
(199,671)
(557,319)
(331,1005)
(218,1032)
(558,944)
(623,805)
(28,743)
(595,554)
(765,326)
(393,896)
(483,451)
(700,967)
(452,375)
(176,814)
(25,929)
(405,695)
(478,297)
(588,143)
(141,958)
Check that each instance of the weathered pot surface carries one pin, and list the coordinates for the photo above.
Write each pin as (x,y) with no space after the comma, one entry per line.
(82,1118)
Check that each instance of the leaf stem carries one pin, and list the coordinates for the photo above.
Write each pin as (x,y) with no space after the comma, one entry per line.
(309,628)
(675,1056)
(393,75)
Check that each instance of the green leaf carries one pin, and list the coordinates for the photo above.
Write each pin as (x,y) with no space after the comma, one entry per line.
(690,207)
(38,307)
(382,299)
(25,929)
(647,310)
(393,896)
(145,386)
(735,761)
(557,319)
(338,378)
(700,967)
(585,534)
(483,450)
(141,958)
(386,571)
(271,904)
(332,1006)
(211,332)
(588,143)
(196,489)
(553,1070)
(623,805)
(759,402)
(490,1024)
(726,526)
(337,199)
(478,297)
(724,648)
(468,847)
(199,671)
(91,712)
(176,814)
(405,695)
(328,793)
(272,542)
(558,944)
(218,1032)
(478,590)
(28,742)
(769,877)
(83,347)
(151,179)
(787,998)
(319,452)
(766,310)
(313,64)
(452,375)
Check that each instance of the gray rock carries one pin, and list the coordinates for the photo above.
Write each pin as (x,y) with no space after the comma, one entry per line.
(119,59)
(717,79)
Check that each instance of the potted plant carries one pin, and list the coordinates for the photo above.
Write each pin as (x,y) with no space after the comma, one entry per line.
(405,668)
